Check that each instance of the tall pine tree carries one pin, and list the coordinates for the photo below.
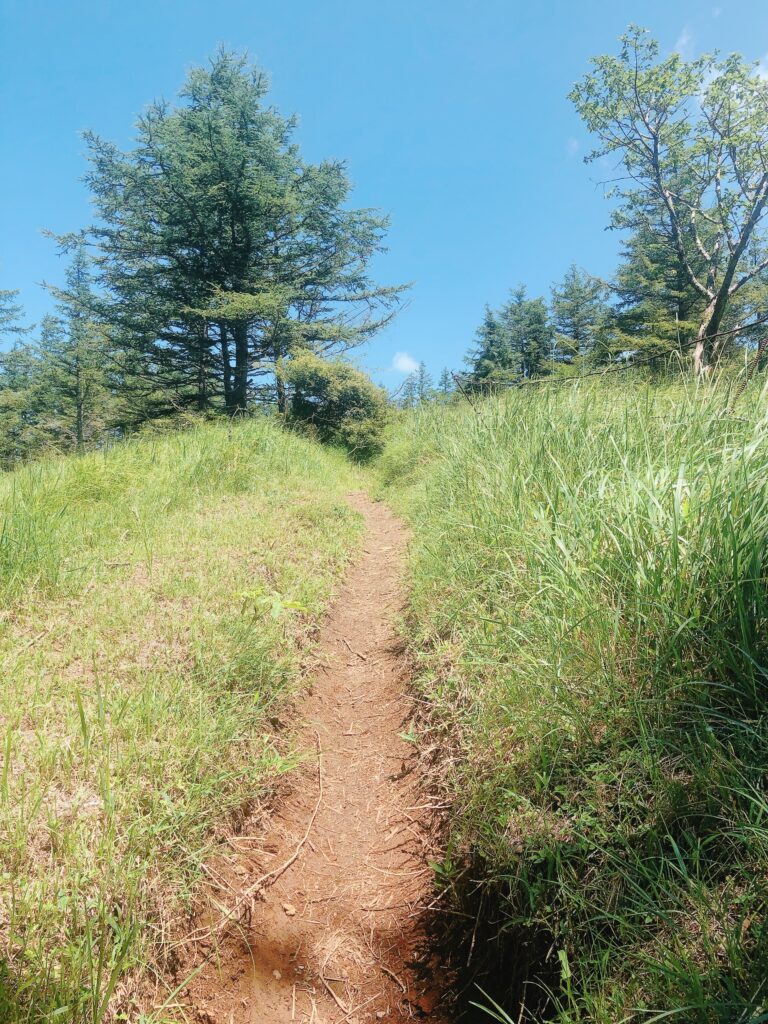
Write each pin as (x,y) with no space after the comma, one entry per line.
(11,314)
(221,251)
(445,384)
(580,314)
(409,392)
(75,361)
(423,383)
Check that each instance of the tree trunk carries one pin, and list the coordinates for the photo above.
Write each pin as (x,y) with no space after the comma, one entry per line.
(226,367)
(701,348)
(708,345)
(282,395)
(240,384)
(79,407)
(202,383)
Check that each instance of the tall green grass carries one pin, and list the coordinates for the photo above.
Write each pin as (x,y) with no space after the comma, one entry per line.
(590,615)
(156,599)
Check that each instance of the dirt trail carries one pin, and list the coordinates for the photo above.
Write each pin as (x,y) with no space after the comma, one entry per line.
(335,936)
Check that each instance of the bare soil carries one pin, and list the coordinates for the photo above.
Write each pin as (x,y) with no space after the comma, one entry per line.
(322,915)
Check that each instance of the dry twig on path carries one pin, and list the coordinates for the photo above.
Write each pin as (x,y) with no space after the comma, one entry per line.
(249,893)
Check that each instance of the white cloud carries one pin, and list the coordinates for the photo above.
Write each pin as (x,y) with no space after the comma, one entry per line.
(684,44)
(404,363)
(572,147)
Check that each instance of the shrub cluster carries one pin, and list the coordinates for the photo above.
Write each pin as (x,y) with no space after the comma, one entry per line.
(338,403)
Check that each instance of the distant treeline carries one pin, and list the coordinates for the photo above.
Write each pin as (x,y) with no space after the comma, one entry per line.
(218,254)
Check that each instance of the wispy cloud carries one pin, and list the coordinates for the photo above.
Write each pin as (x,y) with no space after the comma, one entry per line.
(572,147)
(684,44)
(404,363)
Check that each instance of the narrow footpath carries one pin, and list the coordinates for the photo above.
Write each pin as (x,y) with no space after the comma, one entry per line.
(332,899)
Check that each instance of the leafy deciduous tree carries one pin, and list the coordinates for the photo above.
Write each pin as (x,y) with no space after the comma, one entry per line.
(692,137)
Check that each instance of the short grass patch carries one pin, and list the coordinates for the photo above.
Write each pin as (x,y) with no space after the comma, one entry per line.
(156,600)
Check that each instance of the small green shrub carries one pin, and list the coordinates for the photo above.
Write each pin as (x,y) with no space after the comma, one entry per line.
(338,403)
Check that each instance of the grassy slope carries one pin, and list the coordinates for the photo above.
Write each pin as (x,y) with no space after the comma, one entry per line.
(590,601)
(146,632)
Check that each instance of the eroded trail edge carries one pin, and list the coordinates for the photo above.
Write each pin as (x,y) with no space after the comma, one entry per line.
(337,932)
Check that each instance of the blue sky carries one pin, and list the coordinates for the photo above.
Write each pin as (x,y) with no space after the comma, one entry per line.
(452,117)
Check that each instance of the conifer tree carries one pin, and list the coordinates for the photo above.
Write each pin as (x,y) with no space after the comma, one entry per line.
(75,360)
(445,385)
(513,343)
(222,252)
(409,392)
(579,314)
(18,376)
(492,355)
(423,383)
(11,314)
(21,435)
